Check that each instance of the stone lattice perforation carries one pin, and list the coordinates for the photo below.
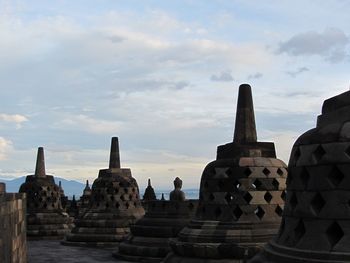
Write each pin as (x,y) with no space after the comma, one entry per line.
(318,205)
(251,193)
(45,197)
(300,233)
(319,154)
(115,195)
(319,178)
(318,199)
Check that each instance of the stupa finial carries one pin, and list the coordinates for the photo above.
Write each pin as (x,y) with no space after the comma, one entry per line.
(245,129)
(114,161)
(40,163)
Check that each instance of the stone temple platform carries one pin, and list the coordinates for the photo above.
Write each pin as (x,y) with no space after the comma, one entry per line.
(52,251)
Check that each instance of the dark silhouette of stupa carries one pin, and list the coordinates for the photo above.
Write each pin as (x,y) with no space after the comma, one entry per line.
(241,197)
(149,193)
(114,205)
(316,219)
(46,218)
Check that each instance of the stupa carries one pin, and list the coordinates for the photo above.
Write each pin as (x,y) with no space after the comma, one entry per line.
(84,201)
(149,194)
(163,220)
(114,205)
(316,221)
(46,218)
(241,197)
(64,198)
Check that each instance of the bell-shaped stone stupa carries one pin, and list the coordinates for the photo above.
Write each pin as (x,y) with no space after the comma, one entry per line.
(316,221)
(149,241)
(46,219)
(241,197)
(114,205)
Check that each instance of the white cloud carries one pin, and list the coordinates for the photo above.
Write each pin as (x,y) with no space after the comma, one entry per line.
(15,118)
(84,123)
(5,148)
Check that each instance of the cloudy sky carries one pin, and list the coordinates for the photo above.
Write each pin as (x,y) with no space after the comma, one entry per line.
(163,76)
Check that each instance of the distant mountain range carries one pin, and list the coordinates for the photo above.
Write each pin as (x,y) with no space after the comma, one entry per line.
(70,187)
(76,188)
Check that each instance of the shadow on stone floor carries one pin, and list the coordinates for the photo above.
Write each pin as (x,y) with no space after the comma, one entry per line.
(53,251)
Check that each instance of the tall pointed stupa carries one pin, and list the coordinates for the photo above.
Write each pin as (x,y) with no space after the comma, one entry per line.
(84,201)
(114,205)
(241,197)
(149,194)
(316,221)
(46,219)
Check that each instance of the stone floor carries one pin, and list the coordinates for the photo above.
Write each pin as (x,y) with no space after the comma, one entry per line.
(53,251)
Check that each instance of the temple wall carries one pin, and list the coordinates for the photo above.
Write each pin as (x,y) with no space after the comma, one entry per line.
(13,246)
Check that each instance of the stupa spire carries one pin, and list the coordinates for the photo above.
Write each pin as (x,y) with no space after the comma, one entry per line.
(40,163)
(114,161)
(245,129)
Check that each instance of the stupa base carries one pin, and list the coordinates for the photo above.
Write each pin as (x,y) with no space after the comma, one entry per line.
(274,253)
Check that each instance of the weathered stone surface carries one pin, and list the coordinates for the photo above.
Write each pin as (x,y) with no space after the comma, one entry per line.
(46,218)
(316,220)
(241,198)
(13,247)
(149,239)
(114,205)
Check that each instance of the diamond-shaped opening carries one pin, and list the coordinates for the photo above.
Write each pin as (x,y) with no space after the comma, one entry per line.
(275,183)
(257,184)
(248,197)
(318,153)
(247,172)
(317,203)
(266,171)
(280,172)
(237,212)
(279,210)
(347,151)
(218,212)
(293,201)
(336,176)
(299,231)
(237,184)
(228,197)
(259,212)
(117,205)
(283,195)
(334,233)
(127,205)
(211,197)
(268,197)
(305,177)
(229,172)
(221,184)
(206,185)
